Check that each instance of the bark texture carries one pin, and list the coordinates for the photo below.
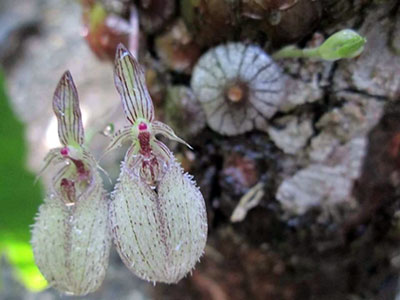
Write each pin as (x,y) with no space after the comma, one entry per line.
(325,222)
(327,225)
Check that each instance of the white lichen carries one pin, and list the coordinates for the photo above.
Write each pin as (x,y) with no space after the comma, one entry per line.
(355,118)
(324,185)
(294,135)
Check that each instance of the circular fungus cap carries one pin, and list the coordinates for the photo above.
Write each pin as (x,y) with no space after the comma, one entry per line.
(239,87)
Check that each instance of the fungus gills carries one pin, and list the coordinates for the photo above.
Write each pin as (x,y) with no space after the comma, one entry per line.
(239,87)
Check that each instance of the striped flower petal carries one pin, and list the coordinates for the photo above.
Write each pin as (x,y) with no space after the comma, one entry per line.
(67,111)
(130,83)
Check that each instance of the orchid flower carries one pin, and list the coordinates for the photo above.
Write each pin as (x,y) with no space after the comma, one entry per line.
(70,237)
(157,212)
(150,154)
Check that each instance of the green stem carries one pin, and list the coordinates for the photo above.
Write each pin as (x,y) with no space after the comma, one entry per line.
(294,52)
(311,53)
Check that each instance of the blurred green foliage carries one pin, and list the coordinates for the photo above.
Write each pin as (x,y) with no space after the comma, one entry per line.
(19,197)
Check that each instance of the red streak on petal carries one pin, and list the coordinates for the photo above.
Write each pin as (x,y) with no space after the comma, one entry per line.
(144,141)
(68,188)
(83,173)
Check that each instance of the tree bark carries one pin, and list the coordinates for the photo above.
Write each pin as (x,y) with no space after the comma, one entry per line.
(338,236)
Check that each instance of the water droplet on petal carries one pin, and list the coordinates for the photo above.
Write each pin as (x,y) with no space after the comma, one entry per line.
(109,130)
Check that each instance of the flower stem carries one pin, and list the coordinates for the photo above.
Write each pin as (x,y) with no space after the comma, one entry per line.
(294,52)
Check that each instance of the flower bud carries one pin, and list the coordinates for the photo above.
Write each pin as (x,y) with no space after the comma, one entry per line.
(160,232)
(343,44)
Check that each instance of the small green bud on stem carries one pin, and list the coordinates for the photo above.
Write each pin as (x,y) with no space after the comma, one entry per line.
(343,44)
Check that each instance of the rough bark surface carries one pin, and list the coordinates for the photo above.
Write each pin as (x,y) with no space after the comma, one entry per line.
(327,225)
(336,235)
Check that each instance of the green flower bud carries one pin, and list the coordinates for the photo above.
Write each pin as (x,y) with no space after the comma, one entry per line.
(343,44)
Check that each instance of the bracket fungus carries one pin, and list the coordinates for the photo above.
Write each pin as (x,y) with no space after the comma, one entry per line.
(239,87)
(70,237)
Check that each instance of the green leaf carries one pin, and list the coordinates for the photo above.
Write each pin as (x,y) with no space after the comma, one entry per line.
(19,197)
(343,44)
